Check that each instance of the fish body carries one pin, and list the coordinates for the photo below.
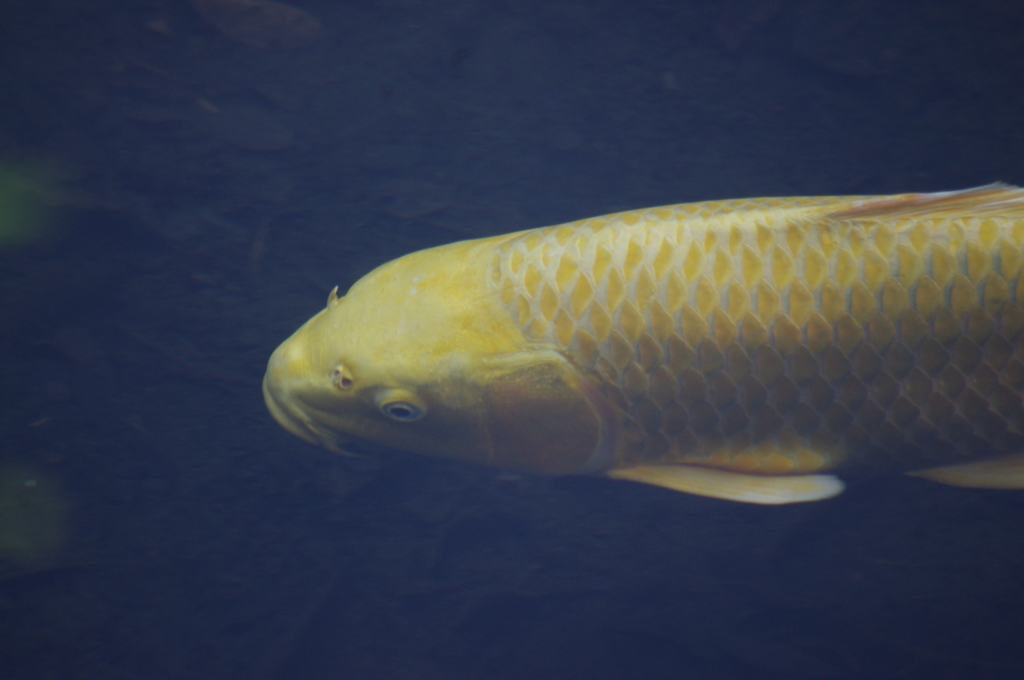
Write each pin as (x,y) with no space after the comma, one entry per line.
(742,349)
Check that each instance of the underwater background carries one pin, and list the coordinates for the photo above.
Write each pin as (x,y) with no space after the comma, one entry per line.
(182,182)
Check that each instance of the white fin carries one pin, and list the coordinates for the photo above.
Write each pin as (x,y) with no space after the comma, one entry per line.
(735,486)
(1005,472)
(1002,198)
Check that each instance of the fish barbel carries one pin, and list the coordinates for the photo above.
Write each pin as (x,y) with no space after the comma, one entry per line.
(743,349)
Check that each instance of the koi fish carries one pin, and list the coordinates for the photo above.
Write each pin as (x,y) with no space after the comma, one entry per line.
(749,350)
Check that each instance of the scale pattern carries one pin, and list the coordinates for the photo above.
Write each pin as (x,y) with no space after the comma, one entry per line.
(786,335)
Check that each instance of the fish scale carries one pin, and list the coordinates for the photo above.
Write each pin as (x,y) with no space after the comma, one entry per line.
(784,336)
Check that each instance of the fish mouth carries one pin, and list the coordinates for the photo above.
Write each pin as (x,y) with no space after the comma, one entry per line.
(290,415)
(286,415)
(285,367)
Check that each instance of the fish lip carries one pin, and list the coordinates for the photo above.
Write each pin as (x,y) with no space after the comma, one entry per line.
(290,415)
(289,418)
(279,392)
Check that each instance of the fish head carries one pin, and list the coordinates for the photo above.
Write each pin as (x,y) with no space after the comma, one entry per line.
(418,357)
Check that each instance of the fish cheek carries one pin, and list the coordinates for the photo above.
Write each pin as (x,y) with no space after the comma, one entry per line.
(539,422)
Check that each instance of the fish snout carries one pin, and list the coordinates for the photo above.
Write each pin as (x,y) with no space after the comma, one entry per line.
(289,366)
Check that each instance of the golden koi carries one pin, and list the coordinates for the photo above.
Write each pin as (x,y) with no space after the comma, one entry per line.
(742,349)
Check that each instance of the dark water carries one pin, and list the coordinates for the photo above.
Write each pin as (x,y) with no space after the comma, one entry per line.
(197,197)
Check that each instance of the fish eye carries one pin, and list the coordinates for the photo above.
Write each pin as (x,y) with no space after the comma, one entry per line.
(402,411)
(400,405)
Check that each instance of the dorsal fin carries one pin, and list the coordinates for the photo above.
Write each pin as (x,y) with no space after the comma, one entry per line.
(997,197)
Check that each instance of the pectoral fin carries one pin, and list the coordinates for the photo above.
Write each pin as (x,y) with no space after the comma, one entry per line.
(735,486)
(1006,472)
